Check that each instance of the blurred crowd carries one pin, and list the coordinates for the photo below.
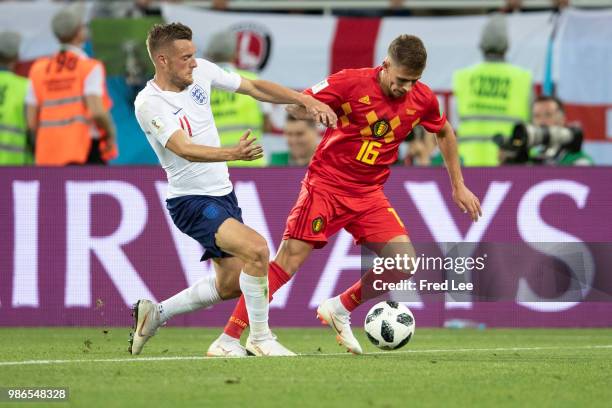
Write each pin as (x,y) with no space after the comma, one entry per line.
(60,114)
(140,8)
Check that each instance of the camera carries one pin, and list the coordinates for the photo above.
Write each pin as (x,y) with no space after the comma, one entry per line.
(538,144)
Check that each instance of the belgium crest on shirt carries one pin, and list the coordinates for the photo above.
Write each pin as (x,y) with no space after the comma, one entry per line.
(380,128)
(318,224)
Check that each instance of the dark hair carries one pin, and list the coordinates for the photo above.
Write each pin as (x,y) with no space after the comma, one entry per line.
(161,35)
(548,98)
(409,52)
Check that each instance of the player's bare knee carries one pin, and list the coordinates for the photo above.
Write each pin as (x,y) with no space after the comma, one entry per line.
(228,289)
(262,255)
(258,253)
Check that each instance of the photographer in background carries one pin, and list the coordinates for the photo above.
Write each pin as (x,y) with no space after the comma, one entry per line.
(547,140)
(549,111)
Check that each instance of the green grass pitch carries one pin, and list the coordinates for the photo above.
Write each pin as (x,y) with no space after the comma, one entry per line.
(450,368)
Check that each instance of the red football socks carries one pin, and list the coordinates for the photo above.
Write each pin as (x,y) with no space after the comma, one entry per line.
(351,298)
(363,289)
(239,319)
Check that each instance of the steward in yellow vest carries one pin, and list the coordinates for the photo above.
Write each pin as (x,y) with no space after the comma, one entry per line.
(15,148)
(234,113)
(491,97)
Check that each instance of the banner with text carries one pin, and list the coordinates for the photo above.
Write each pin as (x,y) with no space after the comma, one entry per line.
(82,244)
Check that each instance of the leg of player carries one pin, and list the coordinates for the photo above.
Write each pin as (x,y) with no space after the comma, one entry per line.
(290,257)
(336,311)
(236,238)
(228,279)
(149,316)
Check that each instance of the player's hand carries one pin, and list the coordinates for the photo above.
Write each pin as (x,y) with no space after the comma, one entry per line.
(320,112)
(467,201)
(247,150)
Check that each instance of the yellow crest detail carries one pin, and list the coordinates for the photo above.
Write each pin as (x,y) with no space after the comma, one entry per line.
(380,128)
(318,224)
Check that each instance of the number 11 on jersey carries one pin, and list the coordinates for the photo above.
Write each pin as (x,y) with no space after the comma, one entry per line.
(185,126)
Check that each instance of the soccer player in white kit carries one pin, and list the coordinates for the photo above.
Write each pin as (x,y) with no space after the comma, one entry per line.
(174,112)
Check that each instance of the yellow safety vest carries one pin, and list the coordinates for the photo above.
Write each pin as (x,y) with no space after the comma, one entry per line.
(13,127)
(491,97)
(234,114)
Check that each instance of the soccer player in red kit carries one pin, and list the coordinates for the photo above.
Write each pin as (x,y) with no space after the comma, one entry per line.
(377,108)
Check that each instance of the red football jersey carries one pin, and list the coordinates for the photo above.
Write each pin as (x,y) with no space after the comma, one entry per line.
(355,157)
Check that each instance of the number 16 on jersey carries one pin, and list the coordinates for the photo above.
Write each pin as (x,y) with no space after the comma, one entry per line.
(367,154)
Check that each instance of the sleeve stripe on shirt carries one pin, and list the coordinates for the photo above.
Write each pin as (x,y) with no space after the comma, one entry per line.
(186,123)
(188,126)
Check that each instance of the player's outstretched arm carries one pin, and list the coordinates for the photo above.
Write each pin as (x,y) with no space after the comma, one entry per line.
(463,197)
(267,91)
(298,112)
(181,145)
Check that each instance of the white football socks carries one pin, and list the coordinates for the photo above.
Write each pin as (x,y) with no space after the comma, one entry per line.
(202,294)
(255,291)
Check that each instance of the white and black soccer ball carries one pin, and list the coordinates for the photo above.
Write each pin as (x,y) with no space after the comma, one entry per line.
(389,325)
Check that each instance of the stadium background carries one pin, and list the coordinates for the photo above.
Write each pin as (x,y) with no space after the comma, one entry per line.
(82,244)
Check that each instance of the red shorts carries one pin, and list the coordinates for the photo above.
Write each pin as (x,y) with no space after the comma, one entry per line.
(318,214)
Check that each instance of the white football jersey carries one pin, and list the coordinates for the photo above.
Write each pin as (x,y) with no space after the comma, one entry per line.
(161,113)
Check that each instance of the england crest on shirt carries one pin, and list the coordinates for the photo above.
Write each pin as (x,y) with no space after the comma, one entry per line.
(199,95)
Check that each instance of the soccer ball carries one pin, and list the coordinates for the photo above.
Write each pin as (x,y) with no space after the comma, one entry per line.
(389,325)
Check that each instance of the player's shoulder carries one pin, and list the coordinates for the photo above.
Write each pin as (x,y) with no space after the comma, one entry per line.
(145,93)
(206,70)
(421,95)
(148,98)
(346,80)
(354,74)
(203,64)
(423,88)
